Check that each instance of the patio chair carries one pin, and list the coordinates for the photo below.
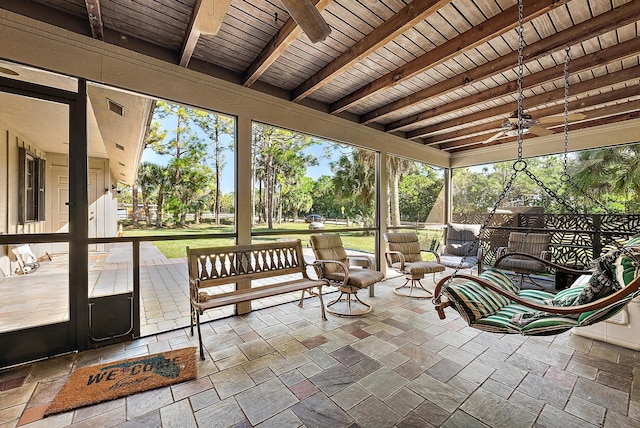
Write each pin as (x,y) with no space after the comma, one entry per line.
(333,264)
(462,249)
(26,260)
(405,256)
(513,257)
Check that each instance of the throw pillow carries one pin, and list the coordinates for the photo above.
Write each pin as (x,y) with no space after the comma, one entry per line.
(601,282)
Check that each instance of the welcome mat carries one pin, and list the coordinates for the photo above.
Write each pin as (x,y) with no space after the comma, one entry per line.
(95,384)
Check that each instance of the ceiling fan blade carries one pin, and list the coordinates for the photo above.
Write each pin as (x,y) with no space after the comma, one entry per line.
(308,19)
(560,118)
(540,131)
(210,15)
(493,137)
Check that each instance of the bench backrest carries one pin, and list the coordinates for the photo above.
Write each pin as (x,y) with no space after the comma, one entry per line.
(223,265)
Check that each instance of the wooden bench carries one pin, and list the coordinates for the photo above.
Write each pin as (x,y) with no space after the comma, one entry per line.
(216,266)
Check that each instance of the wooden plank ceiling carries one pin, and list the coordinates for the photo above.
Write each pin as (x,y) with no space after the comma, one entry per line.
(440,72)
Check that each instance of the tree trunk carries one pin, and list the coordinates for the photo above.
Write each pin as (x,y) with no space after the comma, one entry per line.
(253,189)
(269,204)
(134,209)
(216,206)
(160,201)
(280,204)
(147,211)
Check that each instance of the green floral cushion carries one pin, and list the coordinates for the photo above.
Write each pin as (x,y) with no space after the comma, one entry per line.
(566,297)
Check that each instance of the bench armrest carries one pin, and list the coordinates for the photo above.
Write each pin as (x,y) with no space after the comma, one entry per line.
(194,289)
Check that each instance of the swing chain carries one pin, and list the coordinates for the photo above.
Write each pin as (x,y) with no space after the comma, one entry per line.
(520,164)
(565,177)
(551,193)
(520,72)
(567,59)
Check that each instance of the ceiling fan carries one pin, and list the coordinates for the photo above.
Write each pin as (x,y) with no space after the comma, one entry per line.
(531,125)
(211,13)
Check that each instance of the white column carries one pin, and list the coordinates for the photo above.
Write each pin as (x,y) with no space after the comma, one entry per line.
(383,209)
(243,194)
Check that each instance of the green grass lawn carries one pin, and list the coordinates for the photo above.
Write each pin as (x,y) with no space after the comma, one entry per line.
(177,248)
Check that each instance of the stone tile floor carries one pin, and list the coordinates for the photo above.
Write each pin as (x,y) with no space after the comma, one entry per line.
(399,366)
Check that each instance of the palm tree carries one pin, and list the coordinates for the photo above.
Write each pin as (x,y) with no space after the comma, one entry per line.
(612,173)
(396,167)
(354,183)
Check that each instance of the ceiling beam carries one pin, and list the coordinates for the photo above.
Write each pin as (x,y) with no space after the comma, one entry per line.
(587,62)
(206,18)
(555,95)
(474,37)
(402,21)
(586,102)
(95,18)
(276,46)
(620,16)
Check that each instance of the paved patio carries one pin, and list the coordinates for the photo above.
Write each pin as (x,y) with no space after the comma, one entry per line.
(399,366)
(164,292)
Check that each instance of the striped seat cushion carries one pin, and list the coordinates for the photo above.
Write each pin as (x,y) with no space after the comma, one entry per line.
(548,325)
(406,243)
(500,322)
(417,268)
(474,302)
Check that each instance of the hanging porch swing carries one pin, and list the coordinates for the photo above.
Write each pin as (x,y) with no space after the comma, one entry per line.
(492,302)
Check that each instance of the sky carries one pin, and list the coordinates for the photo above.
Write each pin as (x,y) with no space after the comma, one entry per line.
(227,182)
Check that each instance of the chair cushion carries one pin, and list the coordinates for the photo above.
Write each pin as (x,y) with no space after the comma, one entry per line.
(416,268)
(461,239)
(473,301)
(612,271)
(454,261)
(625,268)
(459,249)
(358,278)
(502,321)
(530,243)
(363,278)
(516,264)
(329,247)
(407,243)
